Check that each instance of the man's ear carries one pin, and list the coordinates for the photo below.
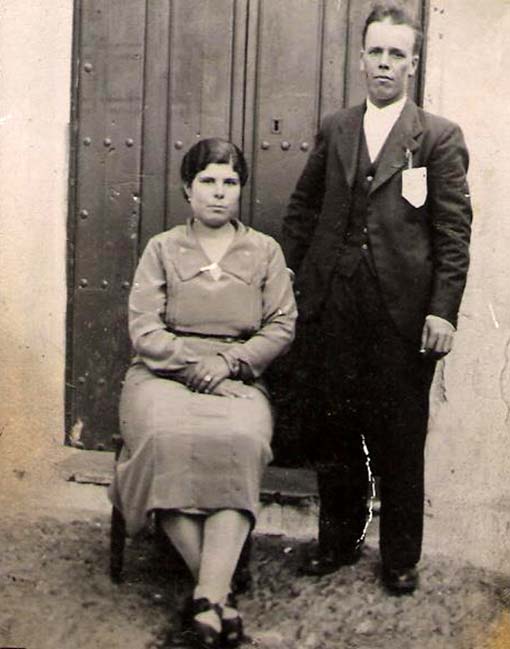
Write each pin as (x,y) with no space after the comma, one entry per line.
(362,60)
(414,64)
(186,190)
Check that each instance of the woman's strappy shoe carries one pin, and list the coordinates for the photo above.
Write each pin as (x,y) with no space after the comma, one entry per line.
(232,632)
(203,635)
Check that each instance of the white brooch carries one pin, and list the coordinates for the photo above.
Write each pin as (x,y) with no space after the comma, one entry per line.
(214,269)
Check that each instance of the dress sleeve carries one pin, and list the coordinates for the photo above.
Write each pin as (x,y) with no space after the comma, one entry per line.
(279,315)
(159,349)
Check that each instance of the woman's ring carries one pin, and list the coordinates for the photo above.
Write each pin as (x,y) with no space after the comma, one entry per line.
(207,378)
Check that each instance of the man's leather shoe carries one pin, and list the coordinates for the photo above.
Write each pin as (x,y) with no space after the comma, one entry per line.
(399,581)
(325,563)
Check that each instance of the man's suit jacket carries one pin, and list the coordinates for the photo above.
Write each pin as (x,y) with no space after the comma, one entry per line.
(421,254)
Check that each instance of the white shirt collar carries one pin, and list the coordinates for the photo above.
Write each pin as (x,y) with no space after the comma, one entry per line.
(390,112)
(378,122)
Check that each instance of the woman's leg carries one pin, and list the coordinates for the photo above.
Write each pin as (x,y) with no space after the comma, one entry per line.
(185,531)
(224,535)
(211,548)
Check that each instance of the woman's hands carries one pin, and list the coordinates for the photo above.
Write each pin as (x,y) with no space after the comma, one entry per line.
(210,376)
(205,375)
(230,388)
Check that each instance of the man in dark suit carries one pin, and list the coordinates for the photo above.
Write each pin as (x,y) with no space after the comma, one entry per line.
(378,232)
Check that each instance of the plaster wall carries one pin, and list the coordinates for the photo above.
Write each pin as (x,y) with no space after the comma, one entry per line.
(468,463)
(35,60)
(468,466)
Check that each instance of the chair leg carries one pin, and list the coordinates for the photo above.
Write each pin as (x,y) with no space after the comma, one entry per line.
(117,544)
(117,528)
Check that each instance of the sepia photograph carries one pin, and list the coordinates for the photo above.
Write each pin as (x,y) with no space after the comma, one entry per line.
(255,384)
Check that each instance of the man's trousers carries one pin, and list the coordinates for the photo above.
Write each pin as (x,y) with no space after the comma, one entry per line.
(375,403)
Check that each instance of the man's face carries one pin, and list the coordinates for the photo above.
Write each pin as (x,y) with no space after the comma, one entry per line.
(388,61)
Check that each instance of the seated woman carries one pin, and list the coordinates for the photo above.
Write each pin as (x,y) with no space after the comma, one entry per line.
(211,306)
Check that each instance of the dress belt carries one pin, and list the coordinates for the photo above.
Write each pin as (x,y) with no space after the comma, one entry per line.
(220,337)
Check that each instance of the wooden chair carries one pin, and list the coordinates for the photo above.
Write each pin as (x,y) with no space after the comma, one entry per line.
(117,529)
(242,577)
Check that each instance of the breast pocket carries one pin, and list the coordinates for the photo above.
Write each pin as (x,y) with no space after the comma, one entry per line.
(414,186)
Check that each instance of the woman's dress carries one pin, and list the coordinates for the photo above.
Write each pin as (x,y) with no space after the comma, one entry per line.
(189,450)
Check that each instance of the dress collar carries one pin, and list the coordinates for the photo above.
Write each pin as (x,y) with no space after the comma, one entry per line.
(238,260)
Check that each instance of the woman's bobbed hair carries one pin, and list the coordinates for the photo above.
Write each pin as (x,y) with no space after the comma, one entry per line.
(213,150)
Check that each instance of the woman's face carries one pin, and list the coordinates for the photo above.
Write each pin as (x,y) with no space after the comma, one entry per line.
(214,194)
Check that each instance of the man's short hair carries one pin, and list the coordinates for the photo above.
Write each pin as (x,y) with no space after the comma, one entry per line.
(399,14)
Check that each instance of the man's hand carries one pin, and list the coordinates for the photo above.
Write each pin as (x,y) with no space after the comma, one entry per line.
(207,374)
(437,336)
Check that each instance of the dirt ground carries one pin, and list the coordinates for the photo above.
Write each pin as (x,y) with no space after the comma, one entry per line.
(56,594)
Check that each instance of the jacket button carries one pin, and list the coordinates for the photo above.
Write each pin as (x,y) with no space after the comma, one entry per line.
(370,178)
(364,246)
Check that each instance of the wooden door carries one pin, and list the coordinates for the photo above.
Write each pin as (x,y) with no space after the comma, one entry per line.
(151,77)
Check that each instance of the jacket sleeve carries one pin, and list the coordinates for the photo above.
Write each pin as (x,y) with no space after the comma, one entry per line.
(306,203)
(159,349)
(279,315)
(451,214)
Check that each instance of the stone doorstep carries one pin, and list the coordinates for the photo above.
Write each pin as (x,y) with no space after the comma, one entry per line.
(280,485)
(289,499)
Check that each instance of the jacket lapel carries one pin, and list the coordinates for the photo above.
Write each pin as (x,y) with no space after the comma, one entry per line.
(405,135)
(348,138)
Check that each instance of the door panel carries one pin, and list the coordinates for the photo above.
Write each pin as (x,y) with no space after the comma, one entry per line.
(299,77)
(286,101)
(155,129)
(334,55)
(202,49)
(105,211)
